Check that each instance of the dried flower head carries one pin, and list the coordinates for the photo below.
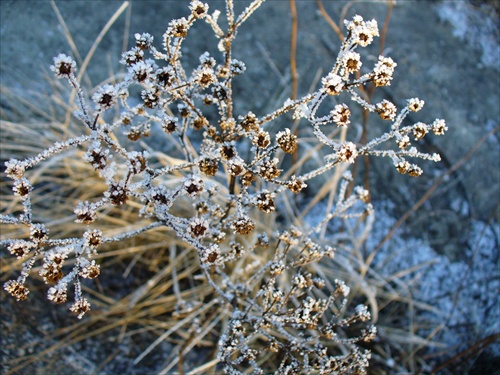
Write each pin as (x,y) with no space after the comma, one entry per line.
(21,248)
(347,152)
(39,233)
(341,114)
(64,66)
(97,156)
(137,161)
(362,36)
(16,290)
(53,262)
(249,122)
(210,255)
(296,184)
(248,178)
(403,141)
(14,169)
(236,166)
(262,139)
(90,270)
(386,110)
(265,202)
(58,293)
(85,212)
(287,141)
(351,61)
(22,187)
(193,186)
(205,77)
(198,227)
(132,56)
(178,28)
(228,150)
(415,104)
(332,84)
(403,166)
(169,124)
(269,169)
(150,98)
(117,194)
(92,238)
(243,225)
(141,71)
(80,307)
(198,9)
(143,41)
(165,76)
(105,97)
(415,170)
(383,71)
(208,166)
(439,127)
(237,67)
(419,130)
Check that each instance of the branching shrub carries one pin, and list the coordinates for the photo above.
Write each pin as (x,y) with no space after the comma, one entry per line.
(219,182)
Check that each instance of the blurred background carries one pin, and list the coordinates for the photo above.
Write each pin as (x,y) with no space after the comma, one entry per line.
(437,235)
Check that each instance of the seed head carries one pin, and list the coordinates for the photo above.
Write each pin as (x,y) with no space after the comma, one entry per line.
(296,184)
(262,139)
(85,212)
(58,294)
(348,152)
(90,271)
(208,166)
(132,56)
(14,169)
(198,227)
(178,28)
(21,248)
(80,307)
(193,186)
(341,114)
(287,141)
(439,127)
(117,194)
(383,71)
(198,9)
(386,110)
(16,289)
(265,202)
(243,225)
(332,84)
(419,130)
(249,122)
(415,104)
(92,238)
(351,61)
(143,41)
(64,66)
(22,187)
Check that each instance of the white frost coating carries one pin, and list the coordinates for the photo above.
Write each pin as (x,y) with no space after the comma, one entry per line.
(472,26)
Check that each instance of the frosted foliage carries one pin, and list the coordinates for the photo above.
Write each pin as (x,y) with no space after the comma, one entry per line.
(463,293)
(225,190)
(472,26)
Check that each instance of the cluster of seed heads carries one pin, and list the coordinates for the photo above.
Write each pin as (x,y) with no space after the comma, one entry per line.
(229,168)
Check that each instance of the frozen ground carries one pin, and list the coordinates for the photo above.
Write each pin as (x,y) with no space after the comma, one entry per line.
(462,294)
(447,54)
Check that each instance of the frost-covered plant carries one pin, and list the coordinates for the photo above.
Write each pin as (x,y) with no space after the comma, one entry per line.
(227,167)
